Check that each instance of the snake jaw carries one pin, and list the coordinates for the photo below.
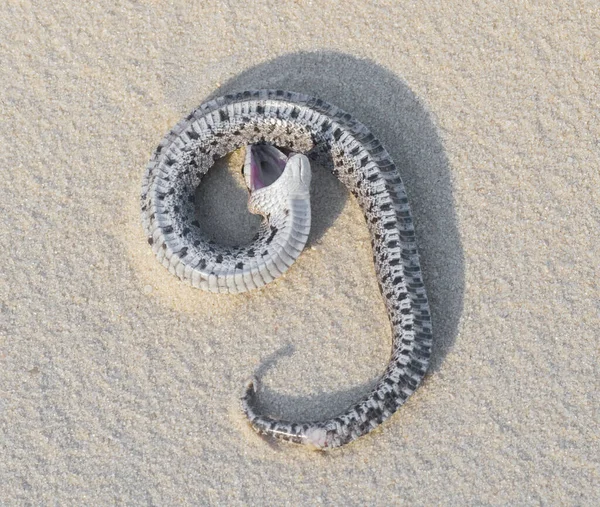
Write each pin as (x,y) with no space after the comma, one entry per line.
(263,166)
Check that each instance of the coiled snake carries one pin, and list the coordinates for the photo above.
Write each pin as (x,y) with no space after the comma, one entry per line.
(278,128)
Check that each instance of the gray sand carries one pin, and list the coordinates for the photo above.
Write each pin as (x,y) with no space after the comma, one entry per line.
(119,384)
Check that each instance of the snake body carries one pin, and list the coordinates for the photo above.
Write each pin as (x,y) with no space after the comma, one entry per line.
(329,135)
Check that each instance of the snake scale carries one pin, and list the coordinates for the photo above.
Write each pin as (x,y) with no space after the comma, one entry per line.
(280,130)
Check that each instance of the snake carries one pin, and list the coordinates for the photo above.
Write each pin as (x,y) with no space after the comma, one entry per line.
(284,132)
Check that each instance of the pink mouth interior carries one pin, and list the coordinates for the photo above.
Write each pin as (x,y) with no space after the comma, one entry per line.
(266,165)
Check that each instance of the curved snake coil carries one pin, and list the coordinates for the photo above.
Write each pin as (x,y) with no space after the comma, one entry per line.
(294,123)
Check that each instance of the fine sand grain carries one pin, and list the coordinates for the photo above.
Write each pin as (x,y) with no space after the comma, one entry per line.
(119,385)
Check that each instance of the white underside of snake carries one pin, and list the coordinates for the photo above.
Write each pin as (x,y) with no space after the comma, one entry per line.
(281,131)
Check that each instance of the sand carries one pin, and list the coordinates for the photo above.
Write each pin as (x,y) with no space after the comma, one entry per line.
(119,385)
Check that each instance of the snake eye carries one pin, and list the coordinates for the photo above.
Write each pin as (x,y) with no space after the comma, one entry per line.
(263,165)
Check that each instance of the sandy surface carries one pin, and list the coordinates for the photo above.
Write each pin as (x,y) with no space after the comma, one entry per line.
(119,385)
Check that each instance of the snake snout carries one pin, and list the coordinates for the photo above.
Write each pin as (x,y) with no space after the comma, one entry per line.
(301,168)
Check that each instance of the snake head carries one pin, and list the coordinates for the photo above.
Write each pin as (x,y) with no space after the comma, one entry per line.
(273,176)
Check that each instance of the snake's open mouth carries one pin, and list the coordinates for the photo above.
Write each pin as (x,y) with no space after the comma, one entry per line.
(263,165)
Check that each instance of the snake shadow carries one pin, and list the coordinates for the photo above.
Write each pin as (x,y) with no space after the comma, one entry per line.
(303,408)
(391,110)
